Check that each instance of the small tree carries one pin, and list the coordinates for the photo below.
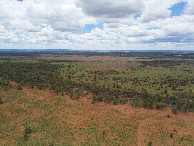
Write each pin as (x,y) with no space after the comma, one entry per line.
(161,105)
(173,87)
(171,135)
(1,101)
(149,143)
(27,132)
(148,103)
(19,87)
(5,87)
(174,110)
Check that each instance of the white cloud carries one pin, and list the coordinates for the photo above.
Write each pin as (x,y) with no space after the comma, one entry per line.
(177,29)
(157,9)
(30,15)
(60,16)
(190,8)
(49,24)
(111,8)
(112,12)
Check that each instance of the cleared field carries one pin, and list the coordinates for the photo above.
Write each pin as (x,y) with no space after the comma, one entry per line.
(58,120)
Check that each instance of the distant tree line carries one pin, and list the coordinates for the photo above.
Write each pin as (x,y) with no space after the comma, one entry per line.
(139,54)
(164,63)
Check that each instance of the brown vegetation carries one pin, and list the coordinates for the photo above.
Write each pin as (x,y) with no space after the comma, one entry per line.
(138,125)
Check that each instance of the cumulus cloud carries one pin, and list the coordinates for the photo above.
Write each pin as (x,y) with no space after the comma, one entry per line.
(190,7)
(112,13)
(111,8)
(157,9)
(60,16)
(30,15)
(49,24)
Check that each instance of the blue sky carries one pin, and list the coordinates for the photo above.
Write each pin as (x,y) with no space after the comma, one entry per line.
(89,27)
(178,9)
(97,24)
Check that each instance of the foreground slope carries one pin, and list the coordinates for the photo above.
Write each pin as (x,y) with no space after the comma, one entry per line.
(59,120)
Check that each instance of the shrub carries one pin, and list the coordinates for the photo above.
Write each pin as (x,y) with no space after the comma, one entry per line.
(103,133)
(171,135)
(26,136)
(98,98)
(115,101)
(108,99)
(136,102)
(76,96)
(19,87)
(165,91)
(31,86)
(174,88)
(93,102)
(5,88)
(27,132)
(161,105)
(148,103)
(149,143)
(51,144)
(174,110)
(1,101)
(123,100)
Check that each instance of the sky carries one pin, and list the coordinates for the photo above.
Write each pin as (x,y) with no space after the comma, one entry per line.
(97,24)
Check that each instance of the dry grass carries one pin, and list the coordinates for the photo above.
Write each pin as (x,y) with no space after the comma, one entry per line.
(62,121)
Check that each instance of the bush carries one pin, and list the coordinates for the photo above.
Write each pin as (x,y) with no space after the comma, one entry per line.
(149,143)
(148,103)
(97,98)
(1,101)
(27,132)
(51,144)
(5,88)
(19,87)
(26,136)
(174,88)
(93,102)
(123,100)
(115,100)
(76,96)
(168,116)
(103,133)
(161,105)
(165,91)
(136,102)
(171,135)
(174,110)
(31,86)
